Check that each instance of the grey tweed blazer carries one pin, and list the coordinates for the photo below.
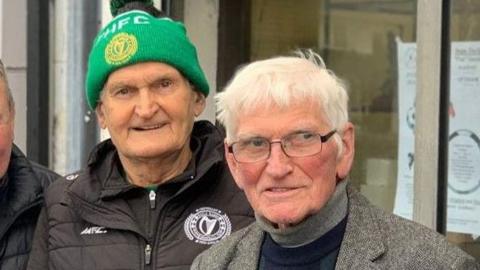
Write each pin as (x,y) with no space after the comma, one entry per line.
(373,240)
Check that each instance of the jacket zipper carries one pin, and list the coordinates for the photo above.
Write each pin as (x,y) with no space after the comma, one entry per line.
(157,234)
(148,254)
(152,198)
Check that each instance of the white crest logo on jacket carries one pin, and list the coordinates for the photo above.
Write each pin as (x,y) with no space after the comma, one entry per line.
(207,226)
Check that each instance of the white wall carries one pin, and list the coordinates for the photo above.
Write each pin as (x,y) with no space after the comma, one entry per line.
(1,26)
(13,51)
(201,21)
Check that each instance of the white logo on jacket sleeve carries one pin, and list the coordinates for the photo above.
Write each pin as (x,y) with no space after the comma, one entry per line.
(207,226)
(94,230)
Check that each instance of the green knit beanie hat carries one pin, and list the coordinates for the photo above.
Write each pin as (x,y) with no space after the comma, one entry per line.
(135,37)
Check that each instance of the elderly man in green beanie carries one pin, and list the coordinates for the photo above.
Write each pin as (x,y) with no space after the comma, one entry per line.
(158,192)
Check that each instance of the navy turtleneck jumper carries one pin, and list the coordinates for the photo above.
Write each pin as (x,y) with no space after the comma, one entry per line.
(319,254)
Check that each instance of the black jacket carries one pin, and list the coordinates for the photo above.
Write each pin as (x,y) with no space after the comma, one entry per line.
(97,220)
(21,199)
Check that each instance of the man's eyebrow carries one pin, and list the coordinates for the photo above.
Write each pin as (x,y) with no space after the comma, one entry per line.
(163,76)
(116,85)
(302,127)
(245,136)
(157,79)
(301,130)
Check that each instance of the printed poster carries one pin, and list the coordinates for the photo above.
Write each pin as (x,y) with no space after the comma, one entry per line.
(407,68)
(463,203)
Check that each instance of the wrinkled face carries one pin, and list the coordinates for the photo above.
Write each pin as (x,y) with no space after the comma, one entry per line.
(282,189)
(6,129)
(149,109)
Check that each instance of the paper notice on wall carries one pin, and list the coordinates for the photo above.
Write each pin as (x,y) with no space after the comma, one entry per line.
(463,214)
(406,55)
(464,144)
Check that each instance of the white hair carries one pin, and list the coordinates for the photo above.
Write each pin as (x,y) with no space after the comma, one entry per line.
(281,81)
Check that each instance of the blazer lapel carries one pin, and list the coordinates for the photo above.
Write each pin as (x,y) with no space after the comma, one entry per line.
(363,240)
(248,251)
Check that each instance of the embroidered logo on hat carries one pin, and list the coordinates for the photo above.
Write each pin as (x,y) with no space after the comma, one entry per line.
(120,49)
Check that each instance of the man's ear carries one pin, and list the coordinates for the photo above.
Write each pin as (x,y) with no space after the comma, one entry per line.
(345,160)
(199,103)
(232,165)
(101,115)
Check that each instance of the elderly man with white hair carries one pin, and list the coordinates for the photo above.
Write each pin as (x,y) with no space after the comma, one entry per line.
(290,148)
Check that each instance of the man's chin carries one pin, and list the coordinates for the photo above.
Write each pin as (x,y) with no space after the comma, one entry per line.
(283,221)
(146,154)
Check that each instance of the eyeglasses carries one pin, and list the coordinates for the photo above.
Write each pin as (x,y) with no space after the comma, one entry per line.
(297,144)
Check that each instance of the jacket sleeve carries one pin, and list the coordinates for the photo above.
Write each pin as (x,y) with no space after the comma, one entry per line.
(38,258)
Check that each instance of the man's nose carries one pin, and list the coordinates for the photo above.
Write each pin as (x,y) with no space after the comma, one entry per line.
(278,164)
(146,106)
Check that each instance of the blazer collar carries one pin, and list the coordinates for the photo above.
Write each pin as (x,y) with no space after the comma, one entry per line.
(363,240)
(248,250)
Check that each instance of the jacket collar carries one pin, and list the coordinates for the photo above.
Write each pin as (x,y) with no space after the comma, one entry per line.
(94,194)
(363,240)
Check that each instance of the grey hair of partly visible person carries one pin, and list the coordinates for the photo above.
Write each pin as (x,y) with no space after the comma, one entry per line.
(281,81)
(139,5)
(3,77)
